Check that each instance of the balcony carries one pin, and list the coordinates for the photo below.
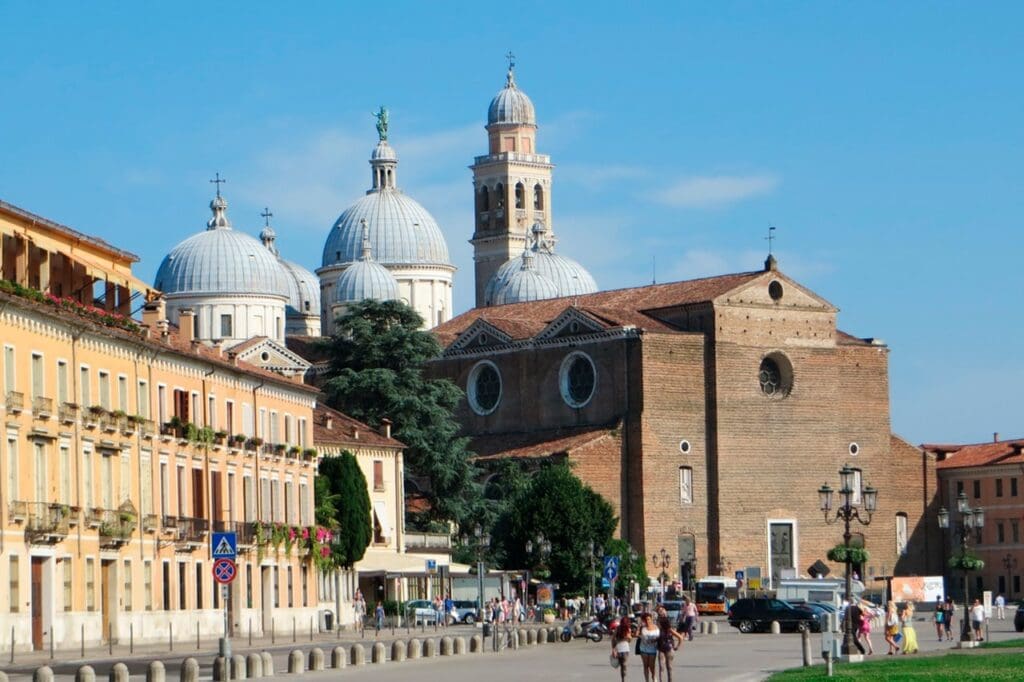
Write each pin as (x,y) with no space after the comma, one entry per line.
(42,407)
(191,533)
(115,526)
(17,511)
(15,401)
(147,428)
(246,532)
(109,422)
(67,413)
(150,522)
(428,542)
(47,523)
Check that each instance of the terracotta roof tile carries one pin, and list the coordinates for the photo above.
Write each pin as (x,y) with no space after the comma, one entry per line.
(618,307)
(536,444)
(343,430)
(310,348)
(980,454)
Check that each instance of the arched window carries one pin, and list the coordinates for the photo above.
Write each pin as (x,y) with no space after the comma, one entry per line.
(520,195)
(901,534)
(538,197)
(485,199)
(499,196)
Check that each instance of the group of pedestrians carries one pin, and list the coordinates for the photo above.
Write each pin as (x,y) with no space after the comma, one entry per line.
(945,615)
(899,626)
(655,640)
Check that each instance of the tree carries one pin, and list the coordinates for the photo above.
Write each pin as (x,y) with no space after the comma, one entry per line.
(341,486)
(629,568)
(377,356)
(568,513)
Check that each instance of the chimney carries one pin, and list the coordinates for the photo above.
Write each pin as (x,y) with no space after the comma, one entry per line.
(995,437)
(187,324)
(355,432)
(152,314)
(329,422)
(1018,447)
(218,346)
(385,427)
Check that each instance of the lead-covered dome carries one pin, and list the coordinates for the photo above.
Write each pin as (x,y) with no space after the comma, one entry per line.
(525,284)
(365,278)
(400,230)
(569,277)
(220,260)
(511,105)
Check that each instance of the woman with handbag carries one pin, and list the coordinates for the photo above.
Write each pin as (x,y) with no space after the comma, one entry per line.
(620,646)
(647,643)
(909,634)
(892,628)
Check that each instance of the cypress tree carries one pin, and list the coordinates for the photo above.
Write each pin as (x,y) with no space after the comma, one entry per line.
(345,484)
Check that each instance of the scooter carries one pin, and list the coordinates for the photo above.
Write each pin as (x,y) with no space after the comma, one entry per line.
(573,630)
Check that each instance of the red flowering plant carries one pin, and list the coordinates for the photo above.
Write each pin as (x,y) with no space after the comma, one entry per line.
(317,541)
(108,318)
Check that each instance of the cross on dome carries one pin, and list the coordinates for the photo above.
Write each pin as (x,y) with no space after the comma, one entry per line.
(218,180)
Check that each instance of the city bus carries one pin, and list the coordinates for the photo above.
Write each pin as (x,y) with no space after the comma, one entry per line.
(714,593)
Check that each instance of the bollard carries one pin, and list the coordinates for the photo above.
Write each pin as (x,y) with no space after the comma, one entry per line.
(775,627)
(220,669)
(190,670)
(316,658)
(119,673)
(86,674)
(398,650)
(703,627)
(541,636)
(520,638)
(156,672)
(357,656)
(295,665)
(552,634)
(197,636)
(447,646)
(293,630)
(379,653)
(414,648)
(531,636)
(253,666)
(460,646)
(82,640)
(805,637)
(476,644)
(429,648)
(3,676)
(250,632)
(339,657)
(713,627)
(268,664)
(43,674)
(273,632)
(170,636)
(238,667)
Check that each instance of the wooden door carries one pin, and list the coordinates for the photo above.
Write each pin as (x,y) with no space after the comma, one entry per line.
(216,502)
(106,569)
(37,603)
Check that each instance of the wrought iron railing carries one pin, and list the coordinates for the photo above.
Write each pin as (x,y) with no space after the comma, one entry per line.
(47,522)
(116,526)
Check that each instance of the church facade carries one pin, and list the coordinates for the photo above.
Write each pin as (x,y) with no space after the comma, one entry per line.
(708,412)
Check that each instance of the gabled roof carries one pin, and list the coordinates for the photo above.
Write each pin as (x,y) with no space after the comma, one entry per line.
(616,308)
(537,444)
(979,454)
(280,356)
(346,431)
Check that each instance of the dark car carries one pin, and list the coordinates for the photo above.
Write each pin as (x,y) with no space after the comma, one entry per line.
(1018,618)
(754,615)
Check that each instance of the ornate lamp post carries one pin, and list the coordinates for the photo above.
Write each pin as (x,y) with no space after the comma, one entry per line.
(1009,563)
(590,552)
(662,560)
(969,521)
(478,544)
(849,510)
(543,547)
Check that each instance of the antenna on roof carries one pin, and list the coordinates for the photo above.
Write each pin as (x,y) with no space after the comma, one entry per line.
(654,269)
(770,238)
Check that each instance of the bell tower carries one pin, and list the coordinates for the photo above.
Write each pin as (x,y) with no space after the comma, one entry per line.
(511,183)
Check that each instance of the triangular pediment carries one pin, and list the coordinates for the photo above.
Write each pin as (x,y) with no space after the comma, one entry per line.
(480,334)
(571,322)
(773,288)
(271,355)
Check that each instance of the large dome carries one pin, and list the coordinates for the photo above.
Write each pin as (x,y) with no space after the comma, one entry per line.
(401,232)
(511,105)
(569,277)
(365,279)
(221,261)
(525,284)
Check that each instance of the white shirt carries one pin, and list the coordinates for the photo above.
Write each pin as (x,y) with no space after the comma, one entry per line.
(1000,601)
(978,613)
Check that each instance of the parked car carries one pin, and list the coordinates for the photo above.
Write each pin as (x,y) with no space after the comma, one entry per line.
(465,611)
(757,614)
(420,611)
(1018,618)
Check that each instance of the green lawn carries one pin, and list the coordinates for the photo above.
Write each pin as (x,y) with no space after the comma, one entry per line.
(1008,644)
(954,667)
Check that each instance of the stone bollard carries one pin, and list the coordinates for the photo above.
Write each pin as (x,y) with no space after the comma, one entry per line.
(43,674)
(531,636)
(542,636)
(3,676)
(460,646)
(87,674)
(446,646)
(296,666)
(268,663)
(703,627)
(429,648)
(339,657)
(220,669)
(775,627)
(713,627)
(805,640)
(156,672)
(476,644)
(398,650)
(552,634)
(379,653)
(357,655)
(190,670)
(415,648)
(316,658)
(119,673)
(253,666)
(521,637)
(238,667)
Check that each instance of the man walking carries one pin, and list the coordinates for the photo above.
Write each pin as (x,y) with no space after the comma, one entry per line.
(1000,604)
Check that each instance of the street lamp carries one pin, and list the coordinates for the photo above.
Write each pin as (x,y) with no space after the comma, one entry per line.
(590,552)
(478,544)
(849,510)
(543,547)
(971,520)
(662,560)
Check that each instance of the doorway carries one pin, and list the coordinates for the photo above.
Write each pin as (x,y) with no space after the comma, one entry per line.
(38,629)
(780,545)
(108,595)
(267,588)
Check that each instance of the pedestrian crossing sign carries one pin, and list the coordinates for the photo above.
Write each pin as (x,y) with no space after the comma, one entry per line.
(225,545)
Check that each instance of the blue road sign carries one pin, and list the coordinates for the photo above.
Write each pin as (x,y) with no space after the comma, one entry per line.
(225,545)
(739,575)
(611,568)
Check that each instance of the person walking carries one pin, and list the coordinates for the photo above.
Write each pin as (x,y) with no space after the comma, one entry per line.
(977,618)
(668,641)
(359,610)
(620,645)
(863,633)
(892,627)
(1000,604)
(909,634)
(648,635)
(948,616)
(378,617)
(940,613)
(688,615)
(856,616)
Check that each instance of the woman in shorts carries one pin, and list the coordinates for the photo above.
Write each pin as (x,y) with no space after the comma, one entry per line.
(621,643)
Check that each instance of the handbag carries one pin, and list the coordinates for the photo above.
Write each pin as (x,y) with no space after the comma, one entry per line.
(637,647)
(614,660)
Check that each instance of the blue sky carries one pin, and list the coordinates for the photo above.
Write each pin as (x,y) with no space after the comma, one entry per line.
(884,140)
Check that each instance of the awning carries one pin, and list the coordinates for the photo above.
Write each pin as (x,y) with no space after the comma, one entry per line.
(394,564)
(380,509)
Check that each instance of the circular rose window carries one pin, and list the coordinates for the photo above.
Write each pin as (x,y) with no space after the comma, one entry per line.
(577,379)
(775,376)
(484,388)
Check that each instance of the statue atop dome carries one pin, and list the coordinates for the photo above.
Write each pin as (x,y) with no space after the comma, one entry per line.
(382,123)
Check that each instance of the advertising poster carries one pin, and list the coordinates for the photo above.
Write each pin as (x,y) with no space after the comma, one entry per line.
(546,596)
(917,589)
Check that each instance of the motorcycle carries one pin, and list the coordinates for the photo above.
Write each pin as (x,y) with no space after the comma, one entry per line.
(573,630)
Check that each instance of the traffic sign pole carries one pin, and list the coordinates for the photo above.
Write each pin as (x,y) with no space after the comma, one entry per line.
(224,549)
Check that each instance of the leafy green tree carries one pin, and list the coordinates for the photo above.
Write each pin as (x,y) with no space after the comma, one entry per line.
(377,355)
(341,487)
(630,568)
(568,513)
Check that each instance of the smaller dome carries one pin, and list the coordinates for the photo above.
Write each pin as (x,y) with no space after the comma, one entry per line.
(511,105)
(383,152)
(365,279)
(525,284)
(569,277)
(303,289)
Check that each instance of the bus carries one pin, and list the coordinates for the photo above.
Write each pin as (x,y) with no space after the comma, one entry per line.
(714,593)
